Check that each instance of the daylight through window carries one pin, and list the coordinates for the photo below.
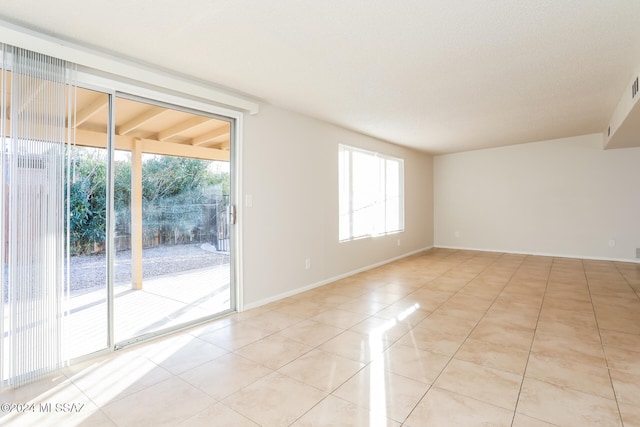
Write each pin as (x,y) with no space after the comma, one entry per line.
(371,193)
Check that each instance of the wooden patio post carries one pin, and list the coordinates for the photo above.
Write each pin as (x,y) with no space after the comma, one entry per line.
(136,214)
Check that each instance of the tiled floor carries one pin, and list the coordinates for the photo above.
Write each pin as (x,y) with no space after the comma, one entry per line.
(444,338)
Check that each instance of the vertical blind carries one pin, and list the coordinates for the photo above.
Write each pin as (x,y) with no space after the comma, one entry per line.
(35,103)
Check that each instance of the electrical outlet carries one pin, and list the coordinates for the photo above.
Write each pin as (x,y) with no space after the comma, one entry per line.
(307,263)
(612,243)
(398,242)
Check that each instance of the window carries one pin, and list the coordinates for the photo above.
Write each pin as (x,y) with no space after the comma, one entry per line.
(371,193)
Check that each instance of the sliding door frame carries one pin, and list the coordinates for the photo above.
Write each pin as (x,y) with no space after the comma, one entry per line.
(119,87)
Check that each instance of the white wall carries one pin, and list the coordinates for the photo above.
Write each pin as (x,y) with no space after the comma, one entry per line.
(564,197)
(290,169)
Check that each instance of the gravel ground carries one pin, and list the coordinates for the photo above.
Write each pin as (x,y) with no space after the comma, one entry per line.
(89,272)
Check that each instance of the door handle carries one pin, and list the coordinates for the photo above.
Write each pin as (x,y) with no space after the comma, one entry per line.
(232,214)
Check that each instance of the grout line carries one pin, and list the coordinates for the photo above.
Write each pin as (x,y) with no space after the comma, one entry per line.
(467,336)
(604,352)
(524,374)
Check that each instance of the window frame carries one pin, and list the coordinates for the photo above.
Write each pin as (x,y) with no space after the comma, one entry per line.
(377,200)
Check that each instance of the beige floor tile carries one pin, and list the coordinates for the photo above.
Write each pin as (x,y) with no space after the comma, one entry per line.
(182,352)
(303,309)
(382,297)
(80,415)
(567,304)
(235,336)
(579,318)
(377,326)
(400,288)
(626,386)
(447,324)
(440,342)
(630,415)
(225,375)
(356,346)
(568,293)
(339,318)
(333,300)
(460,311)
(566,407)
(523,319)
(219,415)
(336,412)
(445,285)
(586,378)
(323,370)
(615,320)
(520,420)
(442,408)
(115,377)
(404,310)
(310,332)
(428,299)
(620,340)
(503,334)
(262,401)
(163,404)
(478,291)
(507,297)
(362,306)
(349,291)
(272,321)
(414,363)
(623,360)
(497,356)
(573,351)
(570,331)
(48,385)
(607,301)
(511,306)
(386,394)
(41,399)
(273,351)
(489,385)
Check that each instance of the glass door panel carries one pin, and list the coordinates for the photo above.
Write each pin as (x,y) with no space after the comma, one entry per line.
(172,263)
(87,316)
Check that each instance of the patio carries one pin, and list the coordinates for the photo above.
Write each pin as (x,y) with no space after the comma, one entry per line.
(165,301)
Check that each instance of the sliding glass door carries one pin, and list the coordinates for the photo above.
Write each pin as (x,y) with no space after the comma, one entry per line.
(116,217)
(171,236)
(172,231)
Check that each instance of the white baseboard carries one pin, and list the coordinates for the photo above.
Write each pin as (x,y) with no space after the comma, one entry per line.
(329,280)
(460,248)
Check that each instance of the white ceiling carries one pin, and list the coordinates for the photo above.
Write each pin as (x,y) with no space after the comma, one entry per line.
(438,75)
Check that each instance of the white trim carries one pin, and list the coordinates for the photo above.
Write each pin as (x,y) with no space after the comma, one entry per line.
(238,191)
(591,258)
(330,280)
(95,60)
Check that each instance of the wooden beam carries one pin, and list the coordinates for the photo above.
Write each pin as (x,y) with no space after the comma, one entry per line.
(89,138)
(91,110)
(139,120)
(222,145)
(182,150)
(210,136)
(182,127)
